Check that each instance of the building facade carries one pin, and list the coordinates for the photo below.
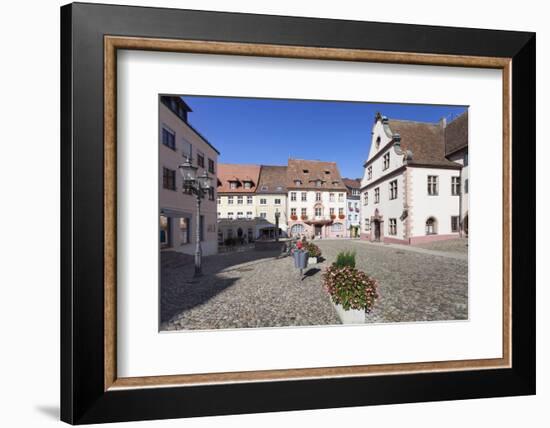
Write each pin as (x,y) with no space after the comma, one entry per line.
(410,191)
(316,199)
(178,140)
(353,206)
(271,195)
(456,150)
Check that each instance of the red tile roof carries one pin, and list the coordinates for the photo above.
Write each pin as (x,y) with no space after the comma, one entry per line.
(456,134)
(239,174)
(308,172)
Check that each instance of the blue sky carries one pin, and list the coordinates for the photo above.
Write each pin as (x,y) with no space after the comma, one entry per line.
(269,131)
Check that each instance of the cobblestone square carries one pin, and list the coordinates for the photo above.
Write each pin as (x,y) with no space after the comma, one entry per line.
(259,289)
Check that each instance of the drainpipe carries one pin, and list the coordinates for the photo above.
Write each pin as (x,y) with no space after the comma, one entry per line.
(460,228)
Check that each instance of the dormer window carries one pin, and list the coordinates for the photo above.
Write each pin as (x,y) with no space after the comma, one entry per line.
(327,172)
(297,183)
(232,184)
(264,188)
(318,183)
(306,171)
(247,185)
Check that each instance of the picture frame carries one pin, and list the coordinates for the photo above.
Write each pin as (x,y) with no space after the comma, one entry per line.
(91,391)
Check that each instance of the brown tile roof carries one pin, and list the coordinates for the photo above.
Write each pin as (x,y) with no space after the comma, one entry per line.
(424,140)
(456,134)
(309,171)
(239,173)
(352,183)
(272,179)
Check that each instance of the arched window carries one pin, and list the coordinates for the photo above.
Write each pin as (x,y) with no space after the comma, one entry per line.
(297,229)
(337,227)
(431,226)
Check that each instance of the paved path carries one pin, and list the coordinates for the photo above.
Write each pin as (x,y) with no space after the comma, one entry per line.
(257,289)
(421,250)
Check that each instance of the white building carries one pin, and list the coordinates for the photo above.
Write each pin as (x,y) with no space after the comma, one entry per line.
(353,206)
(410,192)
(316,199)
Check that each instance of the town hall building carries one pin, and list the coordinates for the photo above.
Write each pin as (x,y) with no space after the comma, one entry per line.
(411,191)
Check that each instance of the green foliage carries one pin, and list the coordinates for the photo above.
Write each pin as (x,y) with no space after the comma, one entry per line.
(351,288)
(345,258)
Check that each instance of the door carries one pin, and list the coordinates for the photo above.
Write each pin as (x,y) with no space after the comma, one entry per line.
(376,230)
(318,231)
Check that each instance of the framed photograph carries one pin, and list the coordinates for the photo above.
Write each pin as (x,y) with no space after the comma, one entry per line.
(266,213)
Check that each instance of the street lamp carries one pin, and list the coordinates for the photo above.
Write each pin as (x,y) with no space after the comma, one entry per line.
(198,186)
(277,216)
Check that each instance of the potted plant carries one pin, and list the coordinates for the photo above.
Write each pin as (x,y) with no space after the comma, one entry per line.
(352,291)
(332,216)
(304,217)
(314,252)
(294,217)
(341,216)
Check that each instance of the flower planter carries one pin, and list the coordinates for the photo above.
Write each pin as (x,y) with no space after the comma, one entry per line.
(351,316)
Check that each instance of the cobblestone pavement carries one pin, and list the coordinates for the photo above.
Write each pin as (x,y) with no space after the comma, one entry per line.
(239,290)
(255,289)
(451,245)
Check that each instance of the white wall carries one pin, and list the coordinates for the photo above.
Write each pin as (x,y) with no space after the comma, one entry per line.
(30,298)
(441,206)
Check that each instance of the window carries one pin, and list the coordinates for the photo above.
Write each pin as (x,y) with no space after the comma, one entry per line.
(230,200)
(187,149)
(229,215)
(350,206)
(164,231)
(331,197)
(455,223)
(219,214)
(297,183)
(239,200)
(432,185)
(318,212)
(340,211)
(263,215)
(305,171)
(211,194)
(247,185)
(318,183)
(233,185)
(263,201)
(184,230)
(377,142)
(337,227)
(455,186)
(219,200)
(211,166)
(369,173)
(249,214)
(220,237)
(250,234)
(249,200)
(393,189)
(318,196)
(304,196)
(393,226)
(200,159)
(431,226)
(349,217)
(168,138)
(355,217)
(367,224)
(304,211)
(366,198)
(277,202)
(168,179)
(387,160)
(332,211)
(293,196)
(293,211)
(466,159)
(201,228)
(340,197)
(297,229)
(466,186)
(240,214)
(377,195)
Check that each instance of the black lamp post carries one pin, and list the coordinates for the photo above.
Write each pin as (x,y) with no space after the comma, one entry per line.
(277,215)
(198,186)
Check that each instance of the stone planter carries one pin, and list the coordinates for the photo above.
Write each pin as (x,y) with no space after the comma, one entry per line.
(351,316)
(312,261)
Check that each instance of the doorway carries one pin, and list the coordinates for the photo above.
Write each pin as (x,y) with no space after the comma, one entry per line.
(377,230)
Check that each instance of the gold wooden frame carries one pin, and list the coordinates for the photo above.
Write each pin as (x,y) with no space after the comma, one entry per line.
(113,43)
